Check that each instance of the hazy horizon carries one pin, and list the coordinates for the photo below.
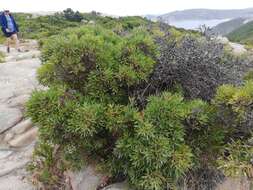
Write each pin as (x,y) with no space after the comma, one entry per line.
(122,7)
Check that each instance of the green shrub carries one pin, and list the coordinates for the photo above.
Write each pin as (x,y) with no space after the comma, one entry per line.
(114,133)
(97,62)
(137,57)
(234,114)
(155,154)
(234,106)
(80,126)
(133,22)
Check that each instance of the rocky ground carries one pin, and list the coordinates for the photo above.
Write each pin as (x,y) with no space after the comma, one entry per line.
(236,48)
(18,134)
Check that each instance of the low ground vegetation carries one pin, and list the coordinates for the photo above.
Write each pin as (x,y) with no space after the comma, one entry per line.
(38,27)
(1,57)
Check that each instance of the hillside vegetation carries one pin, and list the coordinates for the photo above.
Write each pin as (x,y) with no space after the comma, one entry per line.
(41,27)
(243,34)
(229,26)
(143,101)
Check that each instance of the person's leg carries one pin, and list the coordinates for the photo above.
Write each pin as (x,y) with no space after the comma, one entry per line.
(16,41)
(8,43)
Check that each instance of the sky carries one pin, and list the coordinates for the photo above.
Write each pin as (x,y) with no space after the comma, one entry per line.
(122,7)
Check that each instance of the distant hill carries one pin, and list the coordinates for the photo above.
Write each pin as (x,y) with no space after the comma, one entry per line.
(193,18)
(205,14)
(229,26)
(243,34)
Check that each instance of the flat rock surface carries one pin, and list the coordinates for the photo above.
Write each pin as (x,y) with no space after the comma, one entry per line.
(9,117)
(25,138)
(16,181)
(18,101)
(24,55)
(22,127)
(5,153)
(18,78)
(17,160)
(86,179)
(17,81)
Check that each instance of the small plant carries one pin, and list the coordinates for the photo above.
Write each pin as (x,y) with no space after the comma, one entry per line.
(1,57)
(248,75)
(235,106)
(234,113)
(237,160)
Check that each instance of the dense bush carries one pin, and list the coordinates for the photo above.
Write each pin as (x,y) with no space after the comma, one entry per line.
(234,113)
(97,62)
(155,154)
(70,15)
(236,107)
(109,102)
(195,65)
(119,134)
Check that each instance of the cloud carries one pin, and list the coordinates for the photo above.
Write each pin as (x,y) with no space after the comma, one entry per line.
(122,7)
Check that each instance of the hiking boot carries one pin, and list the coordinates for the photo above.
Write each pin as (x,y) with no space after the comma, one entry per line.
(8,49)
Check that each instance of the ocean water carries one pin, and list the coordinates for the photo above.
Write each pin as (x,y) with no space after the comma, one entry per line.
(194,24)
